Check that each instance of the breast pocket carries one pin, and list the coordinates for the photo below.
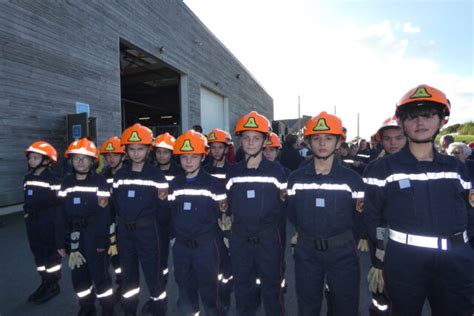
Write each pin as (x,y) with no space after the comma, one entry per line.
(402,194)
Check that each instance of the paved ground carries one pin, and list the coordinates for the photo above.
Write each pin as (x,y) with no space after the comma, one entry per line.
(18,278)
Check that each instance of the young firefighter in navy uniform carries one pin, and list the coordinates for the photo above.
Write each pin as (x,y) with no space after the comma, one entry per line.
(421,196)
(256,190)
(196,199)
(85,215)
(164,145)
(41,186)
(392,138)
(137,190)
(322,197)
(220,142)
(114,153)
(271,151)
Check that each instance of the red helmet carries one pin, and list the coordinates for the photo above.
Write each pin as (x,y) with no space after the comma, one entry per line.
(390,122)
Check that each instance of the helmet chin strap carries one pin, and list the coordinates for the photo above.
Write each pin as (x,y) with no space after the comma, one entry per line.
(40,165)
(253,156)
(118,166)
(324,158)
(424,141)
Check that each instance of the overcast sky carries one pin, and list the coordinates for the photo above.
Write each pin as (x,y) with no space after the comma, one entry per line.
(360,56)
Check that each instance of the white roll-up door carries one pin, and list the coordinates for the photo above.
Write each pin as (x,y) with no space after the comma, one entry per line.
(213,111)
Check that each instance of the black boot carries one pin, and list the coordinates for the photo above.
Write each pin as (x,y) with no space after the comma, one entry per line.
(155,308)
(38,292)
(87,310)
(107,310)
(50,290)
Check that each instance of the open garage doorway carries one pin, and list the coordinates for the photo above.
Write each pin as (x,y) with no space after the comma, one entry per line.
(149,90)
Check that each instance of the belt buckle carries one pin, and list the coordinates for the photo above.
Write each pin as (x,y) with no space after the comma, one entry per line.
(253,240)
(191,243)
(321,244)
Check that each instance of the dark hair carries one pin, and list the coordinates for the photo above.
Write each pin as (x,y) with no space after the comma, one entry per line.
(290,140)
(197,128)
(344,145)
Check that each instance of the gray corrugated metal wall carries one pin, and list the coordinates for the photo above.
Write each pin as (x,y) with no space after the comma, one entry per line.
(54,53)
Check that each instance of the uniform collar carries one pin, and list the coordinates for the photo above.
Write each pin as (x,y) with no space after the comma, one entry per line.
(334,172)
(262,166)
(407,157)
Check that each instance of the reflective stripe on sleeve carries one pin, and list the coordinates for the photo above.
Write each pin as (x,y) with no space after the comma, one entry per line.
(42,185)
(131,293)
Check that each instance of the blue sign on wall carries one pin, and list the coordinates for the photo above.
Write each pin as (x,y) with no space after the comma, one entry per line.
(82,108)
(76,131)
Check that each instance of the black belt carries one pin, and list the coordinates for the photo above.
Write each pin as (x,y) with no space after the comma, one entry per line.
(324,244)
(194,242)
(79,223)
(132,225)
(254,238)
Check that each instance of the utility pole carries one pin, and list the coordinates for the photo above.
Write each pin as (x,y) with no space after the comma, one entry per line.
(335,111)
(299,115)
(357,124)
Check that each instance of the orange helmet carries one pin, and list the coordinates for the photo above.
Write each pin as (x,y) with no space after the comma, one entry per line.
(191,142)
(165,140)
(252,122)
(82,146)
(43,148)
(424,95)
(390,122)
(137,134)
(324,123)
(273,141)
(112,145)
(219,136)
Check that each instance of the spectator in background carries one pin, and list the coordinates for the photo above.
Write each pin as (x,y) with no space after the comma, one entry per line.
(363,154)
(304,150)
(462,151)
(290,156)
(375,147)
(471,145)
(444,143)
(354,148)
